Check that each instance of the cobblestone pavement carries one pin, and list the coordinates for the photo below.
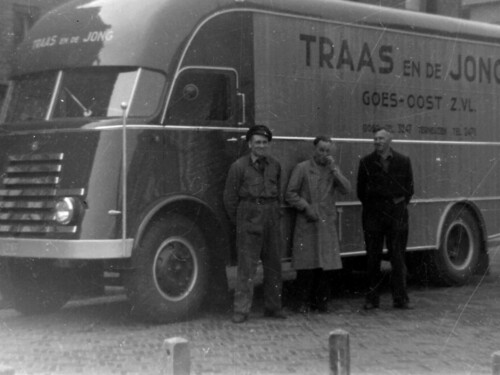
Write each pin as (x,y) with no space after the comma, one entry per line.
(450,331)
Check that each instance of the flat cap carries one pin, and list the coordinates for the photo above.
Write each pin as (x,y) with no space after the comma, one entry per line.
(259,130)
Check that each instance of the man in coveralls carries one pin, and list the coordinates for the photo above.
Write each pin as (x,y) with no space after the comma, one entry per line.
(385,187)
(252,200)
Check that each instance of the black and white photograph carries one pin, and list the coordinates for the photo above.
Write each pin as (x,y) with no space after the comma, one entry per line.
(249,187)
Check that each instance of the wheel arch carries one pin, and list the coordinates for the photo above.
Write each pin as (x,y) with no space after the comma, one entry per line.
(197,211)
(474,210)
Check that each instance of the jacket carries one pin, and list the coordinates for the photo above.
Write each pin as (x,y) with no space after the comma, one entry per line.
(376,186)
(315,243)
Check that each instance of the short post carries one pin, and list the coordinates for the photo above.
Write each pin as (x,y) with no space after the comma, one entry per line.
(340,357)
(177,356)
(6,370)
(496,363)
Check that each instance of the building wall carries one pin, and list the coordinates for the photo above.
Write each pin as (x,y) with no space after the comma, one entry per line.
(6,37)
(452,8)
(479,10)
(483,10)
(490,14)
(401,4)
(444,7)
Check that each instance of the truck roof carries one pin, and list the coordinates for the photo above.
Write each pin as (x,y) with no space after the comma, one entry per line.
(151,33)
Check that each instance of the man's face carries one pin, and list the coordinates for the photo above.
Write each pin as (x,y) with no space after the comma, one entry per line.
(321,152)
(382,141)
(258,145)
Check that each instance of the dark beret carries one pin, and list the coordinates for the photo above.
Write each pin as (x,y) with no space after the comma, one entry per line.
(259,130)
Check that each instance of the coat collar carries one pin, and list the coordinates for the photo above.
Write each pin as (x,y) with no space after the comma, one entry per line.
(252,159)
(376,155)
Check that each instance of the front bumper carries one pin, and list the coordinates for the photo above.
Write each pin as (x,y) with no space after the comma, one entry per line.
(66,249)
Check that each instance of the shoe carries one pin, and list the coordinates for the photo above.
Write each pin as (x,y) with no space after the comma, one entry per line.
(402,306)
(275,314)
(370,306)
(239,318)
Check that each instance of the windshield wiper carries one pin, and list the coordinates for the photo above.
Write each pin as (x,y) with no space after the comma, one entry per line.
(86,111)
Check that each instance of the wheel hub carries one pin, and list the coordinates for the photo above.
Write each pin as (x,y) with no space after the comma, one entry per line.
(175,268)
(459,245)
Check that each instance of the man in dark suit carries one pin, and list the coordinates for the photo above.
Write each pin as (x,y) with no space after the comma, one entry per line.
(385,187)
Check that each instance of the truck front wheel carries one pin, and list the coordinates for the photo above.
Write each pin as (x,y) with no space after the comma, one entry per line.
(168,281)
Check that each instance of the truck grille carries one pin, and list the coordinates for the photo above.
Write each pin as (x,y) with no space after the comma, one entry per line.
(30,194)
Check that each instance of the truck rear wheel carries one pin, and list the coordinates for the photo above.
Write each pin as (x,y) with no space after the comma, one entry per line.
(458,255)
(34,286)
(170,271)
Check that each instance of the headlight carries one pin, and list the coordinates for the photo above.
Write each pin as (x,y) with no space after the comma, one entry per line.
(65,211)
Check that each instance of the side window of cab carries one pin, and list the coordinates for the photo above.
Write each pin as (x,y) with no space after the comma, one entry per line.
(204,97)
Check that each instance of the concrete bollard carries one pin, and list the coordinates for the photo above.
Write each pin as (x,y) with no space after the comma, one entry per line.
(496,363)
(340,357)
(6,370)
(178,361)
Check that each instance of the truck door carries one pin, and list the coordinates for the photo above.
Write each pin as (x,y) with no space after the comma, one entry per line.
(205,119)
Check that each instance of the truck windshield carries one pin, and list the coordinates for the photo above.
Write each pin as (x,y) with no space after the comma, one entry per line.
(96,92)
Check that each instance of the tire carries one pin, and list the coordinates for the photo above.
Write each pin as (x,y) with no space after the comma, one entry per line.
(34,286)
(169,279)
(458,255)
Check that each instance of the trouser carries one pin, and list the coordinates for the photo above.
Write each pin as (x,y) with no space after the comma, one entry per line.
(389,223)
(258,237)
(313,287)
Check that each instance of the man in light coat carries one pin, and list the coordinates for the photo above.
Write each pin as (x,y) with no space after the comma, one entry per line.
(316,248)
